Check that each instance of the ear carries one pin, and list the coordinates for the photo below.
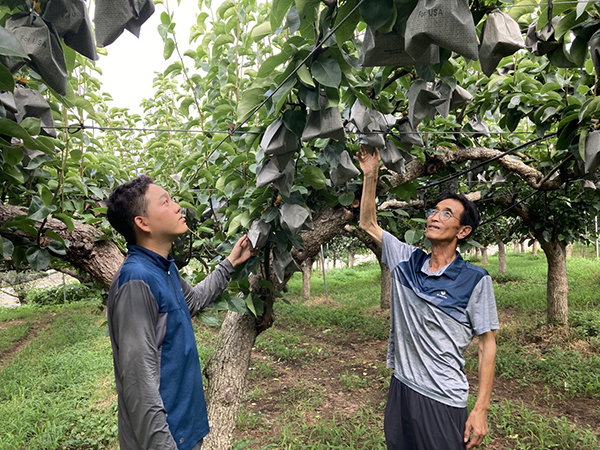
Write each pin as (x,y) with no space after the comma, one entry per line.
(142,223)
(464,231)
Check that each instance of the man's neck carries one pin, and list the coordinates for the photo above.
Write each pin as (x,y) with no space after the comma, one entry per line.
(441,256)
(162,248)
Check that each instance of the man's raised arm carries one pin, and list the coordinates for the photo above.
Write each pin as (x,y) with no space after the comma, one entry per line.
(369,164)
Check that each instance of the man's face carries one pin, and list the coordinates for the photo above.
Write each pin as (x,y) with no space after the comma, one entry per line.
(446,230)
(162,215)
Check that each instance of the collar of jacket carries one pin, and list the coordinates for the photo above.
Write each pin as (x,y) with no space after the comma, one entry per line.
(158,260)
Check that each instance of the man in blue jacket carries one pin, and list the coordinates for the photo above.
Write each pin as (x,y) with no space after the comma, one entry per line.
(157,369)
(438,304)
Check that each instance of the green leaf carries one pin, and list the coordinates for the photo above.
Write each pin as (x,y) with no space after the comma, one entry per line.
(6,247)
(46,194)
(222,111)
(10,45)
(185,106)
(7,82)
(57,248)
(579,51)
(38,160)
(278,11)
(377,12)
(582,137)
(38,209)
(13,129)
(237,304)
(521,9)
(260,31)
(550,87)
(280,96)
(208,317)
(327,72)
(251,98)
(52,235)
(65,219)
(175,67)
(175,143)
(32,125)
(250,304)
(234,225)
(12,155)
(346,30)
(15,175)
(169,47)
(410,237)
(314,177)
(38,258)
(165,18)
(566,23)
(225,6)
(589,108)
(305,76)
(307,10)
(346,198)
(271,63)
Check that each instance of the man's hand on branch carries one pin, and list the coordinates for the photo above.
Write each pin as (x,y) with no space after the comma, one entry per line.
(369,162)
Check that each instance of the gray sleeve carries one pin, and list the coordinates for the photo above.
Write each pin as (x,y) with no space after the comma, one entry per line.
(394,251)
(481,309)
(207,290)
(134,316)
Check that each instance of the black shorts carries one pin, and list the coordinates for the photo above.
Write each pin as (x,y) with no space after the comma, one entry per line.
(415,422)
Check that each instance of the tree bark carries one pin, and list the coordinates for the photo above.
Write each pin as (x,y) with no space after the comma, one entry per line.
(100,258)
(351,256)
(501,251)
(484,256)
(568,251)
(558,283)
(226,372)
(306,273)
(534,248)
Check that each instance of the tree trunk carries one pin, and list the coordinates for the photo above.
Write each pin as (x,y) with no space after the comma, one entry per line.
(351,259)
(515,247)
(523,248)
(558,283)
(534,248)
(501,255)
(484,256)
(568,251)
(226,374)
(306,272)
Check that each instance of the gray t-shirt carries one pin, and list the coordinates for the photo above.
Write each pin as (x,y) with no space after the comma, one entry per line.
(434,317)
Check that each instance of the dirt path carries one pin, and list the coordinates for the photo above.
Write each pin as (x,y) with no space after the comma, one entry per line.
(363,361)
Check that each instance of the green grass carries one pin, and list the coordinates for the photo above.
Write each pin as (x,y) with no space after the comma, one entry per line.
(59,376)
(57,391)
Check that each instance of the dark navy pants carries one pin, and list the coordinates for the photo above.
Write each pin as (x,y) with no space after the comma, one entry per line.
(415,422)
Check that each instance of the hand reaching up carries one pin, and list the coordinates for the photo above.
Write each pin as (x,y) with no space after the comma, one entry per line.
(369,162)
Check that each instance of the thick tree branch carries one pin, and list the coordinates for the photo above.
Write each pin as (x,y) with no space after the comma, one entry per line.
(435,163)
(100,258)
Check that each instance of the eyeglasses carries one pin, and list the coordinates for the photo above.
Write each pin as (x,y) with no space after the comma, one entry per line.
(444,215)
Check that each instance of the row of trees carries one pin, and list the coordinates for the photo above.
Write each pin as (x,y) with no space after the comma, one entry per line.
(263,85)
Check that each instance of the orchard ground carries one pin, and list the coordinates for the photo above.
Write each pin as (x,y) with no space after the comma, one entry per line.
(317,378)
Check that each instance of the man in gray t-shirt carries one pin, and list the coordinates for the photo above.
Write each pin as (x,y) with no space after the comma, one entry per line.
(439,303)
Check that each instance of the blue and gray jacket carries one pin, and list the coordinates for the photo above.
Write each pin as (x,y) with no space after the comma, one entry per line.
(157,370)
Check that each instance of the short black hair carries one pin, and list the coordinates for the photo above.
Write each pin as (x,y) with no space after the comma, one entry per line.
(126,202)
(469,216)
